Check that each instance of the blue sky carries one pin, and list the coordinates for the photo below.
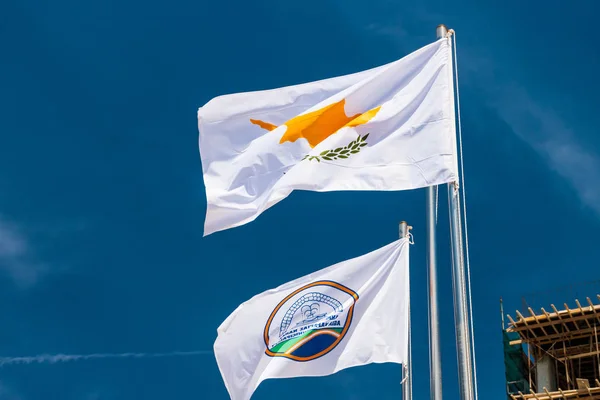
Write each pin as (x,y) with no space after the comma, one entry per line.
(102,200)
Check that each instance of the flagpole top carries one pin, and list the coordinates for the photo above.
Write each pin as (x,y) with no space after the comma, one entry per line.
(404,229)
(441,30)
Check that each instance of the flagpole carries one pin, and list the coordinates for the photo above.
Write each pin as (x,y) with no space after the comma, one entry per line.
(435,360)
(407,375)
(459,287)
(461,317)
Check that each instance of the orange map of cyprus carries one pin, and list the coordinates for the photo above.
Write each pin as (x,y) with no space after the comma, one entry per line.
(318,125)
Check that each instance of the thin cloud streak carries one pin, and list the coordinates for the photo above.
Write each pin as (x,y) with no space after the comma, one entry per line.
(62,358)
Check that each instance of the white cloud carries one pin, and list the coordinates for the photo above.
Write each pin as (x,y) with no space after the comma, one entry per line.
(539,126)
(16,258)
(530,115)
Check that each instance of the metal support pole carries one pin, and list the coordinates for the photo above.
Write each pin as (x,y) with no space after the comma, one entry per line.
(461,315)
(502,313)
(407,376)
(461,311)
(435,360)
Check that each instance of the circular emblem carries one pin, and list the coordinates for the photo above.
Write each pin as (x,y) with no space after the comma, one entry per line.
(310,322)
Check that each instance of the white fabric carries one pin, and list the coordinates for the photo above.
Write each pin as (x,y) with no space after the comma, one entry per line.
(411,142)
(377,332)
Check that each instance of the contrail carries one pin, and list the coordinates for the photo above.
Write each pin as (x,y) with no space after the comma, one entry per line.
(61,358)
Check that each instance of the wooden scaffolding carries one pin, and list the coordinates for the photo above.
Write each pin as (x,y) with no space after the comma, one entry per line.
(563,351)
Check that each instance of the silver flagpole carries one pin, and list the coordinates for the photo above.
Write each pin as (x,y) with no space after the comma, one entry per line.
(435,360)
(461,314)
(461,317)
(407,375)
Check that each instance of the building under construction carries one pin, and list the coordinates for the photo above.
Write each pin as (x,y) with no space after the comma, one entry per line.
(554,353)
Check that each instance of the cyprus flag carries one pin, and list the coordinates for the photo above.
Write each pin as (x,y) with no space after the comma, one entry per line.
(388,128)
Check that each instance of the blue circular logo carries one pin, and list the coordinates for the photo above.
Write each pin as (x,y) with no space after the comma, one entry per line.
(310,322)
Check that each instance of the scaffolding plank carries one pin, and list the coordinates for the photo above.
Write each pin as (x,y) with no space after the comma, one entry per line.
(583,312)
(593,308)
(549,319)
(537,321)
(528,323)
(522,319)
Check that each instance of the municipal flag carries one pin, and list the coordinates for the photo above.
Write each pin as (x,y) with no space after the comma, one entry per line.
(388,128)
(353,313)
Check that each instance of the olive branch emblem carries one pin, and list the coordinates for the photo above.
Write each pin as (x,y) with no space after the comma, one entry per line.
(341,152)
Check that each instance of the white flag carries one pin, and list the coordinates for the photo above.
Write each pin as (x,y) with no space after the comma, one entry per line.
(388,128)
(352,313)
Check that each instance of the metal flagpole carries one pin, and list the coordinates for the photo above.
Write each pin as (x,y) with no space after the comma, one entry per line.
(435,361)
(461,314)
(461,317)
(407,378)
